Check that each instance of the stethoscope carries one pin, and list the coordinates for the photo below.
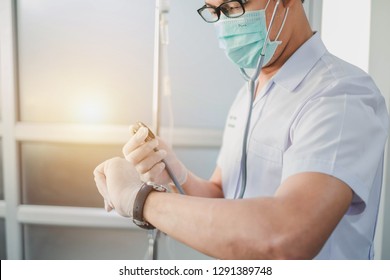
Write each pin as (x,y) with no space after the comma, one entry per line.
(252,83)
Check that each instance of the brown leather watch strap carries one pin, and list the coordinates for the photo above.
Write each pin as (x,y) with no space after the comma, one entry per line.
(139,203)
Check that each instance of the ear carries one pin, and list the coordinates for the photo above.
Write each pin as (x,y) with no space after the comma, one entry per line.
(289,3)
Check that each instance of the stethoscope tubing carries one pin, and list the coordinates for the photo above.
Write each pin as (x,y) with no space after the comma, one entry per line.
(252,82)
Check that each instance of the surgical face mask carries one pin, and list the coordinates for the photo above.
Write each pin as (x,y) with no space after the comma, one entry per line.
(243,38)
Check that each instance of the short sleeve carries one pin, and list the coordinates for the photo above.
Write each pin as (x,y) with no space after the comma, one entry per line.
(342,135)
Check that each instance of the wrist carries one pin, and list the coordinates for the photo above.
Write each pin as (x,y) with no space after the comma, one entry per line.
(182,181)
(184,177)
(127,198)
(140,201)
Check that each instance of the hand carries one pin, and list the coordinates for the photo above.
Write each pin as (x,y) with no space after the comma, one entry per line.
(148,157)
(118,182)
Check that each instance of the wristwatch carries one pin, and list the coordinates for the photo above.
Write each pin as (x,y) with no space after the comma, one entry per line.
(139,203)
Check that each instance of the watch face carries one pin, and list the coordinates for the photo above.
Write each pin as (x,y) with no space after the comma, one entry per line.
(143,224)
(138,223)
(157,187)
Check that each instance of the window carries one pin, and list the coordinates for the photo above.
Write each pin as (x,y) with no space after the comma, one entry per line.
(83,73)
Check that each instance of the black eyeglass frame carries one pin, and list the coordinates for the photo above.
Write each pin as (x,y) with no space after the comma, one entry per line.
(218,10)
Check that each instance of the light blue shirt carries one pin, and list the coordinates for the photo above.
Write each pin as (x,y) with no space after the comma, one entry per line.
(317,114)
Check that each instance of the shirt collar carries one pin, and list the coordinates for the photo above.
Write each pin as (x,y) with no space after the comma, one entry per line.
(300,63)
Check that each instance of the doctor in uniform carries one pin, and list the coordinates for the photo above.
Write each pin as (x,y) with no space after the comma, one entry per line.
(313,160)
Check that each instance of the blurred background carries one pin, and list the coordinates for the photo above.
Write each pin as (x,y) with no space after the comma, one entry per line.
(74,74)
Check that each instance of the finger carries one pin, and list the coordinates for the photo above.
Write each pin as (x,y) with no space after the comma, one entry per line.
(131,129)
(107,206)
(142,152)
(154,174)
(101,185)
(99,169)
(100,180)
(147,163)
(135,141)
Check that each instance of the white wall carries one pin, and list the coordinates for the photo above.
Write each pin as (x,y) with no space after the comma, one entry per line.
(378,68)
(345,33)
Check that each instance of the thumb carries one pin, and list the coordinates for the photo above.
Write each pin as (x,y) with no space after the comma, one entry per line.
(101,183)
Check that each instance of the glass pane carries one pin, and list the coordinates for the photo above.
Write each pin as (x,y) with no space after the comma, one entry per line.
(85,61)
(201,161)
(3,253)
(204,82)
(170,249)
(61,174)
(59,243)
(92,61)
(1,172)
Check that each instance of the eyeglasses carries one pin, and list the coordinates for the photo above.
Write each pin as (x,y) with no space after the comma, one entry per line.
(231,9)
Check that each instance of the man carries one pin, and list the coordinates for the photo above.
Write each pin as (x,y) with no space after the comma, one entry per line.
(314,153)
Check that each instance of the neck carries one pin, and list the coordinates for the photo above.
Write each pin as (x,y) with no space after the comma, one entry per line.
(297,32)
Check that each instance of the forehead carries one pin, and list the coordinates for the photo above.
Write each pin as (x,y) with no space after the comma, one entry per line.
(219,2)
(214,2)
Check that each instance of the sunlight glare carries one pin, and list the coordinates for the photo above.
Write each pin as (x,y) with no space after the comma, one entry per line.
(92,109)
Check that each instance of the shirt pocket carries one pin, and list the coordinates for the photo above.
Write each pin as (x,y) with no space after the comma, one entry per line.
(264,169)
(265,152)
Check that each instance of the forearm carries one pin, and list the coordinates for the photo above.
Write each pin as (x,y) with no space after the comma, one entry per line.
(293,224)
(220,228)
(195,186)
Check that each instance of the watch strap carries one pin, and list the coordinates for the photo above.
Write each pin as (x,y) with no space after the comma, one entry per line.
(139,203)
